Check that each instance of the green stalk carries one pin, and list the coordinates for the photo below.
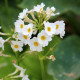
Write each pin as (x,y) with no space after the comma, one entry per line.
(8,13)
(42,69)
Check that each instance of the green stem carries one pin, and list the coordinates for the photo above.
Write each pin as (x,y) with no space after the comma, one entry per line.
(8,13)
(16,55)
(42,68)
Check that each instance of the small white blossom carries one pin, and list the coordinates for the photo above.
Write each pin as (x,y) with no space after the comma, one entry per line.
(2,42)
(19,26)
(34,45)
(15,36)
(24,38)
(60,28)
(50,11)
(50,28)
(39,8)
(17,45)
(62,34)
(0,27)
(25,77)
(28,29)
(43,38)
(23,14)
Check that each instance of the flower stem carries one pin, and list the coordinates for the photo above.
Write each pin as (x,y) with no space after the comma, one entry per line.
(42,68)
(8,13)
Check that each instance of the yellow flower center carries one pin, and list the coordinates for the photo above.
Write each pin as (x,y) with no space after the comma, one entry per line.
(16,46)
(29,30)
(49,29)
(43,37)
(52,56)
(36,43)
(0,43)
(57,26)
(52,10)
(25,36)
(40,9)
(21,26)
(16,36)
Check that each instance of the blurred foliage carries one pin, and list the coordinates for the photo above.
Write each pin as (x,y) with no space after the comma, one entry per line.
(66,51)
(61,5)
(67,65)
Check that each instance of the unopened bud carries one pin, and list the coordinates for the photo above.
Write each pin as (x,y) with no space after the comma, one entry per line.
(52,57)
(14,61)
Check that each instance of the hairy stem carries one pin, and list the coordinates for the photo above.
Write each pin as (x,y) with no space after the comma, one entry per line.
(42,69)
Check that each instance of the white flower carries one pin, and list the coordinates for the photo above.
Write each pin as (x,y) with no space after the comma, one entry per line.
(0,27)
(50,11)
(17,45)
(23,14)
(19,25)
(2,42)
(49,28)
(25,77)
(28,29)
(60,28)
(15,36)
(39,8)
(43,38)
(62,34)
(24,38)
(34,45)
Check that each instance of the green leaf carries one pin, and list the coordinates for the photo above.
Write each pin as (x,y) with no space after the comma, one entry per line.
(67,64)
(61,6)
(6,66)
(7,19)
(32,65)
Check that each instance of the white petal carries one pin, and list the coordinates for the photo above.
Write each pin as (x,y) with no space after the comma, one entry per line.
(25,77)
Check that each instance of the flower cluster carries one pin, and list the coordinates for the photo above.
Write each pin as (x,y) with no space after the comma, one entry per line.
(26,28)
(32,28)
